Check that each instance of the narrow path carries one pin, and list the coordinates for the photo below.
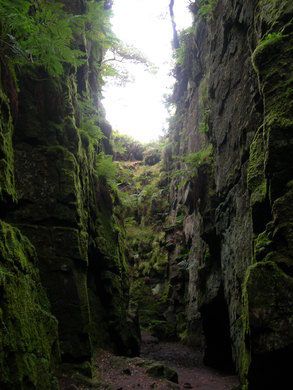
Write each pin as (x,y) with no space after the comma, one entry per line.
(192,374)
(121,373)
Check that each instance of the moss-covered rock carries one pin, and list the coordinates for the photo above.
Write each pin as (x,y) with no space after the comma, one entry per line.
(159,370)
(256,180)
(28,332)
(7,188)
(268,296)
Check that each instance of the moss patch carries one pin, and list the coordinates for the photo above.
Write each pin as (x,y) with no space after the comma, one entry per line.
(7,187)
(256,180)
(28,332)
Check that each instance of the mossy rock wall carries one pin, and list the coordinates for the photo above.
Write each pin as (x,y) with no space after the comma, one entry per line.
(236,77)
(51,194)
(29,347)
(66,210)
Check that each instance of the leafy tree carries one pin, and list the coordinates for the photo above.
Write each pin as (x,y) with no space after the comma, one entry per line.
(118,56)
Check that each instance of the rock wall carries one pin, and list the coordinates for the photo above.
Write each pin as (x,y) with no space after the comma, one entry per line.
(231,141)
(60,238)
(29,348)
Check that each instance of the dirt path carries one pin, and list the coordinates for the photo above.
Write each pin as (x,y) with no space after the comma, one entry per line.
(192,374)
(121,373)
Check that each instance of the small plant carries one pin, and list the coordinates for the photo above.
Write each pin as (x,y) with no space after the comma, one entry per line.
(264,47)
(195,160)
(203,126)
(271,38)
(206,7)
(89,120)
(106,169)
(181,52)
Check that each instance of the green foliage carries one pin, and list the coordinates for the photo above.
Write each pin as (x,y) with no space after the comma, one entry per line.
(181,52)
(206,7)
(203,126)
(37,33)
(89,120)
(153,154)
(7,185)
(126,148)
(98,26)
(106,169)
(195,160)
(269,39)
(120,54)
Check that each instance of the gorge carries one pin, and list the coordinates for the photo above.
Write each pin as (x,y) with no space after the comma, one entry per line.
(189,238)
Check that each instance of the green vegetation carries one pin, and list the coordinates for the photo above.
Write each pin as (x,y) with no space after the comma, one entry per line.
(7,186)
(265,45)
(106,168)
(126,148)
(38,34)
(191,163)
(182,52)
(41,34)
(256,180)
(196,159)
(206,7)
(144,198)
(28,332)
(89,120)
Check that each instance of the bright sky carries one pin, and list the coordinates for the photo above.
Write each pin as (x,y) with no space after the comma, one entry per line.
(137,109)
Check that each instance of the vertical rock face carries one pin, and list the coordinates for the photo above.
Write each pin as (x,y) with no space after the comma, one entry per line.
(60,239)
(232,142)
(29,348)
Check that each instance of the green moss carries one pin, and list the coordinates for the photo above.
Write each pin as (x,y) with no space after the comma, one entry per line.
(158,370)
(7,186)
(269,43)
(206,7)
(28,334)
(256,180)
(267,293)
(273,64)
(244,354)
(272,11)
(262,245)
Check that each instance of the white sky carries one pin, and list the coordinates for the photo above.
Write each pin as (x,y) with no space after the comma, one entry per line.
(137,109)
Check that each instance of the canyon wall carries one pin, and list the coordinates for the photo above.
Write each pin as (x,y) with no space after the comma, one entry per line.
(63,279)
(231,146)
(219,264)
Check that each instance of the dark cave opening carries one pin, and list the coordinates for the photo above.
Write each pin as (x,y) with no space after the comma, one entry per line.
(216,328)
